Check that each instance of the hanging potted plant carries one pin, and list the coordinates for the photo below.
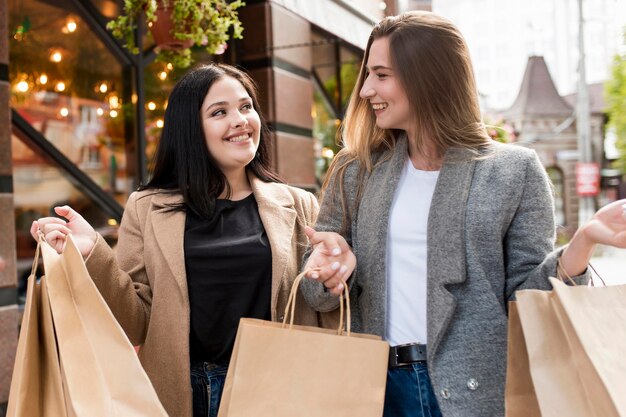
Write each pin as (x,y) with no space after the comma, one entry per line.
(178,25)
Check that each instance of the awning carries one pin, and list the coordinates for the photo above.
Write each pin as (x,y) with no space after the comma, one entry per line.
(335,16)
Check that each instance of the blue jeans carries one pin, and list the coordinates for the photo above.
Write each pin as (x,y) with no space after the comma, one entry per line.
(207,384)
(409,392)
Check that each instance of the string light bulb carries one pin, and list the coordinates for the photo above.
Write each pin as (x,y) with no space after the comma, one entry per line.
(114,101)
(43,79)
(70,26)
(151,105)
(22,86)
(64,112)
(56,56)
(327,153)
(60,86)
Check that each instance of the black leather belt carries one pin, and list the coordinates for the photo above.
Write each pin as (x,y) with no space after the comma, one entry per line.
(406,354)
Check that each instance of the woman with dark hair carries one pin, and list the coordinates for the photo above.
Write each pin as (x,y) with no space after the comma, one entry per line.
(445,223)
(212,237)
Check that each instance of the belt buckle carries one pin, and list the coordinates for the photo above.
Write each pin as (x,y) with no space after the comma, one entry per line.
(393,357)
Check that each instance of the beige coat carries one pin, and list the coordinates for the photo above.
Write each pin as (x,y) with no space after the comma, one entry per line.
(145,284)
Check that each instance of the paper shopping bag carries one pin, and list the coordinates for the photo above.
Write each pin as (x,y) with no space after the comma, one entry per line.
(36,384)
(100,373)
(280,370)
(520,396)
(574,337)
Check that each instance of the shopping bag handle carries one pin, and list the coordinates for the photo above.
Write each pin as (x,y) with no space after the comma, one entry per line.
(41,239)
(290,308)
(560,272)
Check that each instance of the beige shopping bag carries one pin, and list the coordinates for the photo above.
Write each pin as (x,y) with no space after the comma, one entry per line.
(280,370)
(36,383)
(574,340)
(100,373)
(521,399)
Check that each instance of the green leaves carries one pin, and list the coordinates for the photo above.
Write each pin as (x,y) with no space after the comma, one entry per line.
(615,97)
(208,23)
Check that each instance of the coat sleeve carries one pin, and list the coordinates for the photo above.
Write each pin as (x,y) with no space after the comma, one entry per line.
(529,242)
(335,215)
(122,279)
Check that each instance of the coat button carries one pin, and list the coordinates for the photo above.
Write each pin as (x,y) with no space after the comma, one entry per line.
(445,393)
(472,384)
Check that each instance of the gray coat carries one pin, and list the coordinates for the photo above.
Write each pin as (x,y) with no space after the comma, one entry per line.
(490,232)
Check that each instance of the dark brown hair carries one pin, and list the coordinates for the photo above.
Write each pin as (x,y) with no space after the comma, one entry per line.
(183,163)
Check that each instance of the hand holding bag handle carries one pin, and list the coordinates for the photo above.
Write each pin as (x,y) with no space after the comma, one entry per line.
(290,308)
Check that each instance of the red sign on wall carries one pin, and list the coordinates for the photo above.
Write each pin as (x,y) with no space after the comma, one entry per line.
(587,179)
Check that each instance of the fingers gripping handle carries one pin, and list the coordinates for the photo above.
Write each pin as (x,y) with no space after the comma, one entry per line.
(344,298)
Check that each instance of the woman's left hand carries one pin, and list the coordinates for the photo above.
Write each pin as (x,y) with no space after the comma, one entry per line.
(608,225)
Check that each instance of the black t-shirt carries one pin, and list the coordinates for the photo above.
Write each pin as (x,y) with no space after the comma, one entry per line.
(229,276)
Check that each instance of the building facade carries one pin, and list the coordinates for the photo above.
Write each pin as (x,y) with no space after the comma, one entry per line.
(546,122)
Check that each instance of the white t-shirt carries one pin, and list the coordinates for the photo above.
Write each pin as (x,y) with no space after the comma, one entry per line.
(406,256)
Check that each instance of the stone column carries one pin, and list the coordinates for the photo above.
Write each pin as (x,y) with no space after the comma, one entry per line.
(8,280)
(276,51)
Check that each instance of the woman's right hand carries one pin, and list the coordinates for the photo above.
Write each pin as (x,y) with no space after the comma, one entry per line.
(331,262)
(55,230)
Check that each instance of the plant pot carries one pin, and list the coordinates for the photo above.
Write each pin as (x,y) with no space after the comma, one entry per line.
(163,28)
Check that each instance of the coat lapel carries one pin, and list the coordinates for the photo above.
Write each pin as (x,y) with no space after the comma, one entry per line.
(373,220)
(169,231)
(276,208)
(446,241)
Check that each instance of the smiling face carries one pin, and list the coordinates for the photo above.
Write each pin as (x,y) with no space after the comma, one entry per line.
(383,90)
(231,125)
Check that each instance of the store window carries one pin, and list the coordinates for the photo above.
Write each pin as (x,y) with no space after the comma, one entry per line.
(68,86)
(332,61)
(72,108)
(39,186)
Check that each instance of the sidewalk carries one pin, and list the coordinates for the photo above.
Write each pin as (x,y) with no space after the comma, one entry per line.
(611,265)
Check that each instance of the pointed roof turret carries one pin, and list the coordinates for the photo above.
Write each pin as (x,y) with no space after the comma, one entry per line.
(538,95)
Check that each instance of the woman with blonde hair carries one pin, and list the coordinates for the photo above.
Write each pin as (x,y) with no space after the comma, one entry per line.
(444,223)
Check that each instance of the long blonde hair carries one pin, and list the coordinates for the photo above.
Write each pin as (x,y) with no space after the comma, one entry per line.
(433,62)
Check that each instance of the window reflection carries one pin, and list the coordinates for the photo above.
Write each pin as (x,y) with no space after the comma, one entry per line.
(68,86)
(39,186)
(330,98)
